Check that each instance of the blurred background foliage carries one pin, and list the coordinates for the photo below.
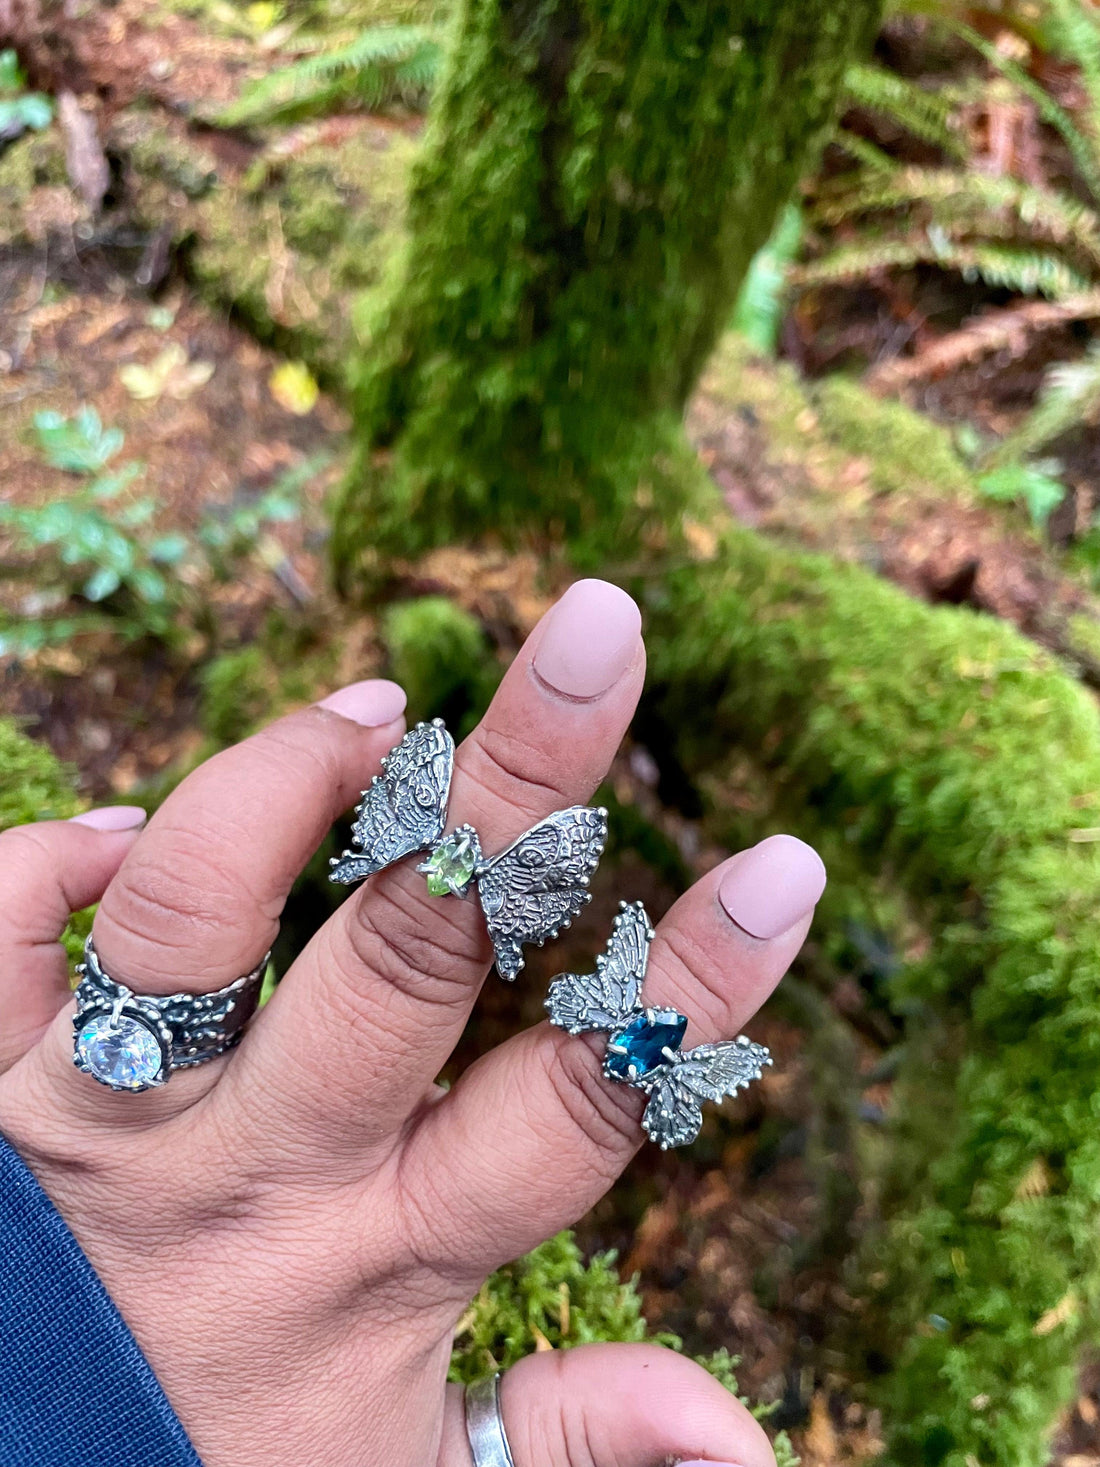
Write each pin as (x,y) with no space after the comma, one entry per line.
(336,337)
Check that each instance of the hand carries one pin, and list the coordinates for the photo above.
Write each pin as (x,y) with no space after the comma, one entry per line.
(293,1231)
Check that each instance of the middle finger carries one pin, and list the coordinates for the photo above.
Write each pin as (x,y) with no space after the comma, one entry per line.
(378,999)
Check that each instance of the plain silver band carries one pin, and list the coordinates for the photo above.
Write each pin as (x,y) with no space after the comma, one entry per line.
(484,1425)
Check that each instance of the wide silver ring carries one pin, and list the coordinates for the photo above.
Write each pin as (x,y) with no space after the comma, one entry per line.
(133,1041)
(485,1425)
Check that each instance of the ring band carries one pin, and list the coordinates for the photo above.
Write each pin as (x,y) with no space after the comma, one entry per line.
(485,1425)
(133,1041)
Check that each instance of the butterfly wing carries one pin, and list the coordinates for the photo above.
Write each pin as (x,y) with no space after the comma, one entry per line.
(539,884)
(405,808)
(674,1114)
(713,1071)
(606,998)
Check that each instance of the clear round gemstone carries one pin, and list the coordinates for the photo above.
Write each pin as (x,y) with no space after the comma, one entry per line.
(123,1051)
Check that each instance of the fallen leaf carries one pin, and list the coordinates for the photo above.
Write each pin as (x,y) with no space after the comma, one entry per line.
(294,388)
(170,372)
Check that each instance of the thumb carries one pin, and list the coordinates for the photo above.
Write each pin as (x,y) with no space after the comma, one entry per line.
(614,1406)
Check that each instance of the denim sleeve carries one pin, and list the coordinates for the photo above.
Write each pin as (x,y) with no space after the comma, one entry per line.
(75,1390)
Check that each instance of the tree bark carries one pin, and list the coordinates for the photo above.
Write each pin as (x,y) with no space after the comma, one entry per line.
(596,177)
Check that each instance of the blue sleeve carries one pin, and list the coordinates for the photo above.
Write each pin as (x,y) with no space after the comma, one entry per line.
(75,1390)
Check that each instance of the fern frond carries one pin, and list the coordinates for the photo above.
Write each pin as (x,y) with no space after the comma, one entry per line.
(1069,398)
(384,64)
(924,114)
(967,199)
(1082,149)
(1075,31)
(864,152)
(1026,271)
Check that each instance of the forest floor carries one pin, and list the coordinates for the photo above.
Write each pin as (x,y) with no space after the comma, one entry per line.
(720,1236)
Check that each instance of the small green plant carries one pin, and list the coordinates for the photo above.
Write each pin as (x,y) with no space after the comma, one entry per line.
(98,561)
(762,299)
(553,1299)
(20,111)
(101,553)
(383,65)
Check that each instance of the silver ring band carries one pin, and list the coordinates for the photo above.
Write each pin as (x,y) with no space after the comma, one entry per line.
(485,1425)
(133,1041)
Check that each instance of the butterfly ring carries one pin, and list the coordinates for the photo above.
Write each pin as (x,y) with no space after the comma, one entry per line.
(643,1046)
(528,892)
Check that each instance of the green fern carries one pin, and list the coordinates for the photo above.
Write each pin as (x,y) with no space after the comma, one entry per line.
(1069,398)
(969,202)
(1033,240)
(1026,271)
(383,65)
(927,115)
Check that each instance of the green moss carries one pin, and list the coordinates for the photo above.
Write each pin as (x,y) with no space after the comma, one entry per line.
(439,655)
(904,448)
(239,690)
(292,244)
(594,181)
(552,1298)
(943,749)
(34,784)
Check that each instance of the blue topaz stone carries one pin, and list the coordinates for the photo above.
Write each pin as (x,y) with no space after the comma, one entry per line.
(639,1049)
(120,1051)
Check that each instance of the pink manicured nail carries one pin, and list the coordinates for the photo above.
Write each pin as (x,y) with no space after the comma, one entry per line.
(112,817)
(373,703)
(772,886)
(590,639)
(700,1463)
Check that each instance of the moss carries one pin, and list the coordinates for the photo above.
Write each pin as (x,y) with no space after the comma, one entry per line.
(439,655)
(239,690)
(941,748)
(553,1299)
(594,181)
(34,784)
(291,244)
(904,447)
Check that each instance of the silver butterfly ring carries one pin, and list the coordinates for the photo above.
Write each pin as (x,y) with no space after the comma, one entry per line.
(643,1046)
(528,892)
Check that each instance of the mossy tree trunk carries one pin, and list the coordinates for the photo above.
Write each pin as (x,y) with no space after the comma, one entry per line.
(596,177)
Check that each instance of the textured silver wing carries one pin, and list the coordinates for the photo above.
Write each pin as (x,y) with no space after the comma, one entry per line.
(673,1116)
(405,808)
(539,884)
(710,1072)
(606,998)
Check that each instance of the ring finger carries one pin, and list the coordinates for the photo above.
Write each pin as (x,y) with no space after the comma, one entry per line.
(560,1132)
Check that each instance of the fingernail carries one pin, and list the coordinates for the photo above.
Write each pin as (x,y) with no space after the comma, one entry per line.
(698,1462)
(590,640)
(373,702)
(772,886)
(112,817)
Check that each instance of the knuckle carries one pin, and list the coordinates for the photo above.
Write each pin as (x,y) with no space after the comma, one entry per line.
(696,972)
(167,911)
(507,766)
(606,1115)
(423,952)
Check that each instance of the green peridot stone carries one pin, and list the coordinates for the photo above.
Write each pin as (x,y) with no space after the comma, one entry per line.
(450,867)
